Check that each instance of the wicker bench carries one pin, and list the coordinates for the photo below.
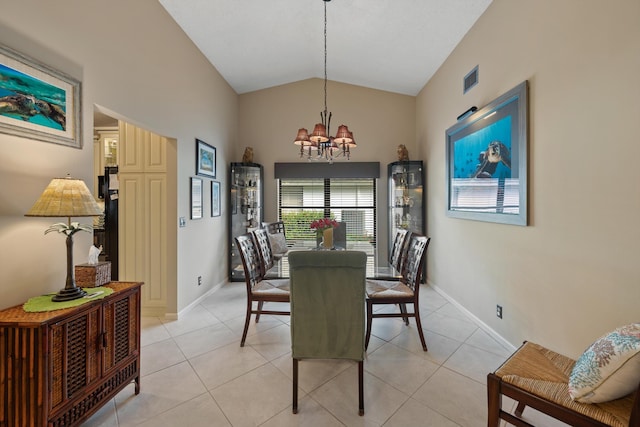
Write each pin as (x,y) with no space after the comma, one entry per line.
(537,377)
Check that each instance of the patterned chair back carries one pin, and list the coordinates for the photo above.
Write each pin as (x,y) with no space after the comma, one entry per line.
(261,239)
(250,260)
(399,250)
(412,269)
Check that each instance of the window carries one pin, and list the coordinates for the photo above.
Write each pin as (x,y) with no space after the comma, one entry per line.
(348,200)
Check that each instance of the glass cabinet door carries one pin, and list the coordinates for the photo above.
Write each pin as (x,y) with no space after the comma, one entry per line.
(245,209)
(406,197)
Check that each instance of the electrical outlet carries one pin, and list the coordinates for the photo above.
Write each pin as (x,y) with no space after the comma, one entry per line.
(199,280)
(499,311)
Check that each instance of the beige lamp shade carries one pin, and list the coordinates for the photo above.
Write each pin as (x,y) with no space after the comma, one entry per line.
(65,197)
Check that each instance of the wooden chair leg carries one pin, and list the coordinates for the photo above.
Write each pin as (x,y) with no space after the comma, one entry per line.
(519,409)
(369,319)
(361,387)
(295,386)
(403,310)
(260,303)
(419,325)
(494,400)
(246,323)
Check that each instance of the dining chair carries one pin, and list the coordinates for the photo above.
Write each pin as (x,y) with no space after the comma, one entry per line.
(259,290)
(261,239)
(274,227)
(397,258)
(404,291)
(327,310)
(399,249)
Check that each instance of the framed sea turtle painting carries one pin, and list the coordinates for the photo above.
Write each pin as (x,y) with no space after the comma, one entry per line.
(38,102)
(487,161)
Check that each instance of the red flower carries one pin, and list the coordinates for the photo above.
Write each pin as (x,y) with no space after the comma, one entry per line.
(323,223)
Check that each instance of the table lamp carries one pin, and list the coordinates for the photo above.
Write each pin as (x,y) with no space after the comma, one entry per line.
(68,197)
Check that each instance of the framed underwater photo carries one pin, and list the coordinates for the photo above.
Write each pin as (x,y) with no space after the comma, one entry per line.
(38,102)
(205,159)
(486,162)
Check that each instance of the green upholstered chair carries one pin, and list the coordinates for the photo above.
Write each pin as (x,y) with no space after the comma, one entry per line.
(327,309)
(259,289)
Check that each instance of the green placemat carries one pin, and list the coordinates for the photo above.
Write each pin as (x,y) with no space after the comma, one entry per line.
(44,303)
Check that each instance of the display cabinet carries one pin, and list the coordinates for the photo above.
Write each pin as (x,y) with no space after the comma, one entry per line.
(406,197)
(245,209)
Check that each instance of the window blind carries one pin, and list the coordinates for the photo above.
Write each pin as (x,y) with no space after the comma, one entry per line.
(348,200)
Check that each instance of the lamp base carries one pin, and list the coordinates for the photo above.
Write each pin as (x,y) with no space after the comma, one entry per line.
(68,294)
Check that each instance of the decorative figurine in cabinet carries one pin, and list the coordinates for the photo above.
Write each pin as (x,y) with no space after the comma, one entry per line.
(245,209)
(406,197)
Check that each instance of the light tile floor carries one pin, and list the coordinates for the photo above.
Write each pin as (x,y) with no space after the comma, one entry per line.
(194,373)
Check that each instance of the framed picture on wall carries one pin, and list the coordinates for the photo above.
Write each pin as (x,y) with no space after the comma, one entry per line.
(196,198)
(215,198)
(37,101)
(205,159)
(486,167)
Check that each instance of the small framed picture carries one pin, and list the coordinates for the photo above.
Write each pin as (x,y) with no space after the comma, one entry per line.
(205,159)
(196,198)
(215,198)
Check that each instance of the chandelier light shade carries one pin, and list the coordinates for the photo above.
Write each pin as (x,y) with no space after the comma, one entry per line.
(319,133)
(302,138)
(319,144)
(67,197)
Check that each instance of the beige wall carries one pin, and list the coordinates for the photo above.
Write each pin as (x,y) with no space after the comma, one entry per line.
(135,61)
(270,118)
(574,273)
(569,276)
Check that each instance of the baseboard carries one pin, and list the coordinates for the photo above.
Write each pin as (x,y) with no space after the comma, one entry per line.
(506,344)
(175,316)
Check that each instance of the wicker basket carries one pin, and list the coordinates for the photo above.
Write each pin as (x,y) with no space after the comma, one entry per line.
(92,275)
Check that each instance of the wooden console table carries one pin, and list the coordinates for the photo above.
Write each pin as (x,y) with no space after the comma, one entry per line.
(59,367)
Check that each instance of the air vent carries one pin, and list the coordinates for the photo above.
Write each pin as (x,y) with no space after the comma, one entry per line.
(470,80)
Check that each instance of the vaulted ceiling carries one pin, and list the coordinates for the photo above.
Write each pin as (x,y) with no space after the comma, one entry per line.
(391,45)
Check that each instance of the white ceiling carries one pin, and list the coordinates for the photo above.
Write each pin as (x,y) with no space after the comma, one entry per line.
(391,45)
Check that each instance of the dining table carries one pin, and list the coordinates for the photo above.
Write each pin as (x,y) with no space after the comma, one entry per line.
(378,271)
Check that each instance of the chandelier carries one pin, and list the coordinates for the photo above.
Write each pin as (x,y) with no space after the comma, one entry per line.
(320,145)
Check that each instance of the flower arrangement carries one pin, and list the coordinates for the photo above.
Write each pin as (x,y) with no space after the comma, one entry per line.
(319,225)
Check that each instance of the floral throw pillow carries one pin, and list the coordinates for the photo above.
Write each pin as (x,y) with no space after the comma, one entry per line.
(609,368)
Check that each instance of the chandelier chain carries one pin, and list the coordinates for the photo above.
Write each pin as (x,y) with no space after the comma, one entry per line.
(320,140)
(325,57)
